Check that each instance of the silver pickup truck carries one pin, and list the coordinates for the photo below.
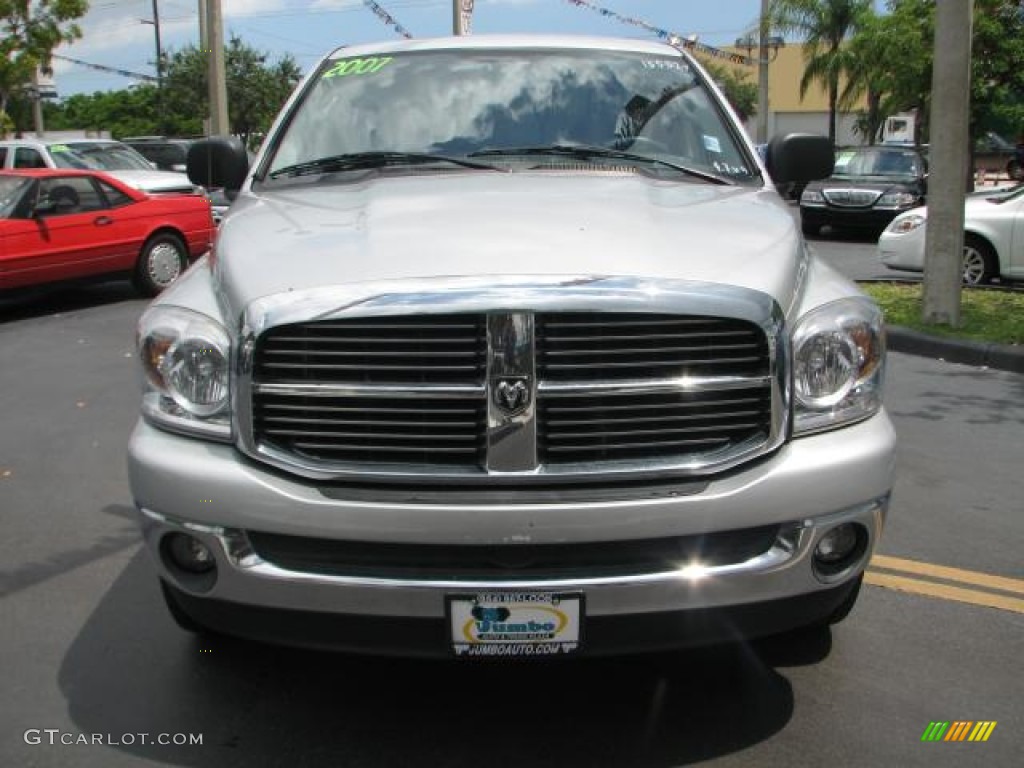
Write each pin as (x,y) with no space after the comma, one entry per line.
(509,348)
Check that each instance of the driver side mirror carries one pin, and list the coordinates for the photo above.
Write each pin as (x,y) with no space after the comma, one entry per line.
(220,161)
(45,207)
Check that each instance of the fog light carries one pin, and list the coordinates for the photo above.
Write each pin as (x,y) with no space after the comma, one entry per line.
(837,544)
(189,553)
(839,550)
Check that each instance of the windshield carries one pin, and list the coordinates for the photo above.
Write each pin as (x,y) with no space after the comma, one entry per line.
(11,188)
(877,162)
(486,102)
(98,157)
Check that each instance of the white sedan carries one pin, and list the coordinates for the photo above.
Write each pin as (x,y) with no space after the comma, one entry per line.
(993,237)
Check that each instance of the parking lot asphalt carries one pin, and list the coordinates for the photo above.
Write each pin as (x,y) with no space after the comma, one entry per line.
(90,651)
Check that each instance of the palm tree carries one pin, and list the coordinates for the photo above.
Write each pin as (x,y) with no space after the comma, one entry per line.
(869,78)
(824,25)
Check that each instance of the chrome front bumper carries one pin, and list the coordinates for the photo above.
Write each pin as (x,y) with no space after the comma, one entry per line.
(808,486)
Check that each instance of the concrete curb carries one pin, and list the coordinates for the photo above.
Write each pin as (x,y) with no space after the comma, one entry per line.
(1003,357)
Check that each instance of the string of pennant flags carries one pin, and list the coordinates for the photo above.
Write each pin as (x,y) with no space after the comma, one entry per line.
(387,18)
(102,68)
(671,38)
(466,7)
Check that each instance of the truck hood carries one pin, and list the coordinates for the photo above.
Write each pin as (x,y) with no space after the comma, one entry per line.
(483,224)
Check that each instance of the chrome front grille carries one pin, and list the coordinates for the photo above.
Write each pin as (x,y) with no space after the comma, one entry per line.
(379,429)
(301,409)
(852,198)
(385,350)
(534,396)
(577,424)
(614,426)
(587,346)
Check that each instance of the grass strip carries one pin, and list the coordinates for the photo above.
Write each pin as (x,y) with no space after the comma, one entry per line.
(986,315)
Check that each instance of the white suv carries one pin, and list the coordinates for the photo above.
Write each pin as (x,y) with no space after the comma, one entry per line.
(119,160)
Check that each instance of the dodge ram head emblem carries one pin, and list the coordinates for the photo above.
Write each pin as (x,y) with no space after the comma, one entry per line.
(512,394)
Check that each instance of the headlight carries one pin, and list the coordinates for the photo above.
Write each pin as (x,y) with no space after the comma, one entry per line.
(896,200)
(812,197)
(839,364)
(904,224)
(186,361)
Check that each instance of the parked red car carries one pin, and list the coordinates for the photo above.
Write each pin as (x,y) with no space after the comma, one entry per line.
(61,224)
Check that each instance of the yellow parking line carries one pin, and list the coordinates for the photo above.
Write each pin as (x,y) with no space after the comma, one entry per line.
(1002,583)
(944,591)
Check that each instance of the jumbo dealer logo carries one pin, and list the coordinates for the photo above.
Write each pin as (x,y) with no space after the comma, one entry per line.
(531,623)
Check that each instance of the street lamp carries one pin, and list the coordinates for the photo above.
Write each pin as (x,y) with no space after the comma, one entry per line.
(767,51)
(155,21)
(750,42)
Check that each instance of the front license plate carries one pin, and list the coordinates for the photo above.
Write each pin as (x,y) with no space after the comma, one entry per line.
(516,624)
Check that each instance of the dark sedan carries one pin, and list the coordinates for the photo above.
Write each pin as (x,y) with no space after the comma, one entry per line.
(868,188)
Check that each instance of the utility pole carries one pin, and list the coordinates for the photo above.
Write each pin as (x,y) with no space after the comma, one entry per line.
(462,12)
(37,104)
(767,46)
(37,97)
(944,236)
(204,48)
(764,29)
(159,67)
(204,37)
(219,125)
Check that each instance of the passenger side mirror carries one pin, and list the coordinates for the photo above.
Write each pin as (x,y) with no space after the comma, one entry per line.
(220,161)
(799,157)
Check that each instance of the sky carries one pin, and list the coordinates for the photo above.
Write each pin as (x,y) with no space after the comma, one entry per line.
(115,35)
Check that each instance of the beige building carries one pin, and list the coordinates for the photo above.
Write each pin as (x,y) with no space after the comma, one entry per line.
(787,112)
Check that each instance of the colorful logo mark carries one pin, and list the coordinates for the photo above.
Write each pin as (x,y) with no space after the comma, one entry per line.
(959,730)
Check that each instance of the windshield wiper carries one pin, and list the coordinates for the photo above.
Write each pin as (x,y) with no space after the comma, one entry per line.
(360,160)
(586,151)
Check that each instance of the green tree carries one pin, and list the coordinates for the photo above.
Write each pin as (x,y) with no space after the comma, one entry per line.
(895,52)
(823,26)
(740,92)
(256,89)
(997,66)
(127,112)
(889,58)
(894,62)
(28,34)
